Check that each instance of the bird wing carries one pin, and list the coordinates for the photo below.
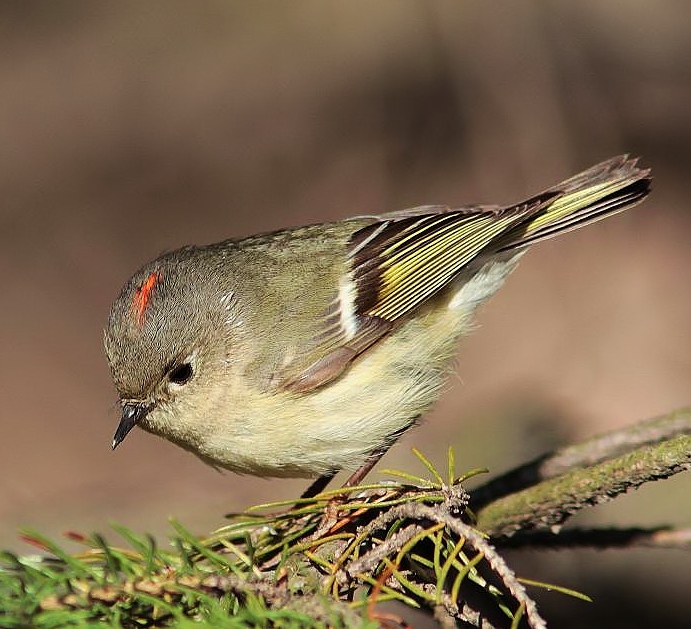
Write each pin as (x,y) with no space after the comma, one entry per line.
(400,260)
(393,265)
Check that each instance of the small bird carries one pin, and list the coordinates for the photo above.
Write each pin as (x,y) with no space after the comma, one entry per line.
(309,350)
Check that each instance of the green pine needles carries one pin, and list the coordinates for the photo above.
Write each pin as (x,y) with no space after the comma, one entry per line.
(335,559)
(326,561)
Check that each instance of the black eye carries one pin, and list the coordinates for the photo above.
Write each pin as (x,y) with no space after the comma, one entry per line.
(181,374)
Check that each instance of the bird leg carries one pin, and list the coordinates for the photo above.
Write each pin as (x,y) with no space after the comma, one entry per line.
(319,485)
(354,479)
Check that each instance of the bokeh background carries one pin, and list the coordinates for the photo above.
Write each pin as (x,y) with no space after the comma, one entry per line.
(131,128)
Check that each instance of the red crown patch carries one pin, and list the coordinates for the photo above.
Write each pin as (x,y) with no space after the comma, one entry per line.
(142,296)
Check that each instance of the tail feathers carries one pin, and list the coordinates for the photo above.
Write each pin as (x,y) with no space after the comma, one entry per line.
(604,189)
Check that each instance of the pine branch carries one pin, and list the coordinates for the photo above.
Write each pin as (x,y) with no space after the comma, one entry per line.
(595,471)
(584,454)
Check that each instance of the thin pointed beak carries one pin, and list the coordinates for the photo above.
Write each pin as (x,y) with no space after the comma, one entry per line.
(132,414)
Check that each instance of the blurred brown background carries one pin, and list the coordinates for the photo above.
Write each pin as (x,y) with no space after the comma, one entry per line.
(127,129)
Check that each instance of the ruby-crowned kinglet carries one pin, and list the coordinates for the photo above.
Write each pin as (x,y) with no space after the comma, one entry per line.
(305,351)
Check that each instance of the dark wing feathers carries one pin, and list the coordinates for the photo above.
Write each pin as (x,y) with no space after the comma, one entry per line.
(398,266)
(395,265)
(402,259)
(613,203)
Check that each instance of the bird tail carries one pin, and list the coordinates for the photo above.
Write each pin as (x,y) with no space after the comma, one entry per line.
(604,189)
